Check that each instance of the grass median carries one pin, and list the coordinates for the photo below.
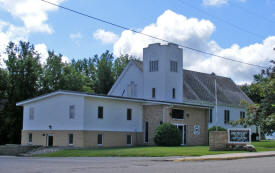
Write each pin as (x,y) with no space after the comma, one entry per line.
(152,151)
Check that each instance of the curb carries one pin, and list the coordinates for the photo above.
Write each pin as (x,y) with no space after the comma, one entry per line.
(221,158)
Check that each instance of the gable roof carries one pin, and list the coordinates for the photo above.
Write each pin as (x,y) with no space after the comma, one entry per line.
(200,87)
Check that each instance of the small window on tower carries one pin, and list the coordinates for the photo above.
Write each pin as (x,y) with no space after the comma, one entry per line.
(153,66)
(173,66)
(174,93)
(153,92)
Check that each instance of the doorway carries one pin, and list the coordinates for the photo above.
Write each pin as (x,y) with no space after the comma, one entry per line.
(182,129)
(50,140)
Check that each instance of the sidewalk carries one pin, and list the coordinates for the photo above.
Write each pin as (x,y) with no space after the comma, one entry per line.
(232,156)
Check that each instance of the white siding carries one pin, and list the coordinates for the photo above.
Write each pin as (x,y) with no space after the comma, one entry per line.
(54,111)
(132,74)
(114,115)
(234,115)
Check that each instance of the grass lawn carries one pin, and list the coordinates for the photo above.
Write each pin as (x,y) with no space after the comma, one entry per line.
(154,151)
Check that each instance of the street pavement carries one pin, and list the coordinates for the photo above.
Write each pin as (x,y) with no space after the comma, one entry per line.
(132,165)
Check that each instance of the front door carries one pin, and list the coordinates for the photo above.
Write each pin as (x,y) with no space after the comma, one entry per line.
(50,140)
(182,129)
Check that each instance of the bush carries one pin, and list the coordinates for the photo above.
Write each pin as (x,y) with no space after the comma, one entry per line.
(219,128)
(167,135)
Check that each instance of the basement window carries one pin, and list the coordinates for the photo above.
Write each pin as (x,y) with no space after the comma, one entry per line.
(177,114)
(71,139)
(30,138)
(100,139)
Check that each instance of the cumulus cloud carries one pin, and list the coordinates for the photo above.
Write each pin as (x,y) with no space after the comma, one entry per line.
(43,51)
(197,34)
(32,12)
(106,37)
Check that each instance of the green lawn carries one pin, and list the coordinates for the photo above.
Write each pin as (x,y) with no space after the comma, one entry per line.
(152,151)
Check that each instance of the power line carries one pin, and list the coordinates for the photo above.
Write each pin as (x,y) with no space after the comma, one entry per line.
(222,20)
(147,35)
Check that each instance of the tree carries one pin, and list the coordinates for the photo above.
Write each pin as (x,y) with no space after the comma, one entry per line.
(24,71)
(262,113)
(104,75)
(119,65)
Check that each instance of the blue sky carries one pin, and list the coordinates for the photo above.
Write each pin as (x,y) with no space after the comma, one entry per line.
(198,23)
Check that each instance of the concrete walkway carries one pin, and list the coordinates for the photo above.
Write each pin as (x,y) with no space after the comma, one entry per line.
(231,156)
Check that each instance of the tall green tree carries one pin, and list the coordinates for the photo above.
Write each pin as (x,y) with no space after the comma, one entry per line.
(24,71)
(104,75)
(119,65)
(262,92)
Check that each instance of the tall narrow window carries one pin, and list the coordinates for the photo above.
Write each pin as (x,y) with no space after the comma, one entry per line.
(100,112)
(153,92)
(173,66)
(153,66)
(30,138)
(129,114)
(210,117)
(31,113)
(72,112)
(226,116)
(129,139)
(174,93)
(242,115)
(146,131)
(100,139)
(71,139)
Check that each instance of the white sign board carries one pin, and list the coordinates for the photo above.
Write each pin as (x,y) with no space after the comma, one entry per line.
(239,135)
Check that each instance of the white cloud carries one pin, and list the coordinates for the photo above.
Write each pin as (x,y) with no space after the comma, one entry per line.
(75,35)
(217,2)
(9,32)
(196,33)
(106,37)
(32,12)
(43,51)
(214,2)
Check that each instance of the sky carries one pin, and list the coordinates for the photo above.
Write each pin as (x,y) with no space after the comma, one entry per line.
(242,30)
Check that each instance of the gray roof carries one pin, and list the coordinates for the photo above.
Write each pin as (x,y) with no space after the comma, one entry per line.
(200,87)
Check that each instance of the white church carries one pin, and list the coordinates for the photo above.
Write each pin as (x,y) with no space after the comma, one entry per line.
(147,94)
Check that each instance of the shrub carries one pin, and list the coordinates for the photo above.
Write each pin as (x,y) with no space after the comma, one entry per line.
(167,135)
(219,128)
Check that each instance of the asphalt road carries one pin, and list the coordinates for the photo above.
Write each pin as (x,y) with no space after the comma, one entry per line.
(132,165)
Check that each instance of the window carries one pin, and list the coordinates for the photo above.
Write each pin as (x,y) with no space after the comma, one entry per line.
(129,139)
(210,116)
(161,122)
(132,89)
(226,116)
(146,131)
(153,66)
(71,139)
(177,114)
(153,92)
(99,139)
(72,112)
(30,138)
(173,66)
(174,93)
(242,115)
(100,112)
(129,114)
(31,113)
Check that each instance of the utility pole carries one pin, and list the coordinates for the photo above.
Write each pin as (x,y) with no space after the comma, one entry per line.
(216,114)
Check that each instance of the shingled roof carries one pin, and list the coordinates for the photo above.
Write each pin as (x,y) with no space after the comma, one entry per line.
(200,87)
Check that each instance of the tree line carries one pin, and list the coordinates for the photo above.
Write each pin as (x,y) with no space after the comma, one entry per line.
(25,77)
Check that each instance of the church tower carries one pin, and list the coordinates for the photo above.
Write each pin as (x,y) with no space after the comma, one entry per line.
(162,72)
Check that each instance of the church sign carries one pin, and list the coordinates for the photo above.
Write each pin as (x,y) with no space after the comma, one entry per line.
(239,135)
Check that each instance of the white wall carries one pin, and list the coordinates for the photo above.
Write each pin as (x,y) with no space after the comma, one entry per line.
(54,111)
(114,115)
(234,115)
(163,80)
(132,73)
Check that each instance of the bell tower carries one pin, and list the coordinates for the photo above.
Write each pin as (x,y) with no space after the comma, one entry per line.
(162,72)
